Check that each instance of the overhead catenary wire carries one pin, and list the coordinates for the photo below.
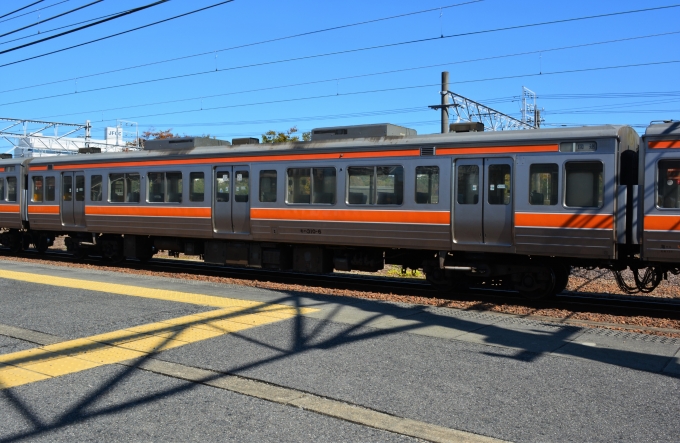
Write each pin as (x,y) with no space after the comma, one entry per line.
(21,9)
(351,77)
(51,18)
(35,10)
(288,37)
(118,33)
(99,22)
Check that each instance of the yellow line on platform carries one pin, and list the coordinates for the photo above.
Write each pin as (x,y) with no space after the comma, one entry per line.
(72,356)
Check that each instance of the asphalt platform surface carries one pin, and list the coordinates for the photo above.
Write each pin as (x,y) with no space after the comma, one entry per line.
(485,376)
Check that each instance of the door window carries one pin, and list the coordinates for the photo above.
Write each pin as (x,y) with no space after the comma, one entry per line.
(468,185)
(80,188)
(668,186)
(222,186)
(67,188)
(499,185)
(242,186)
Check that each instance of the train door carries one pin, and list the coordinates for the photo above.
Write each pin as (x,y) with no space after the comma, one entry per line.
(231,200)
(73,199)
(483,201)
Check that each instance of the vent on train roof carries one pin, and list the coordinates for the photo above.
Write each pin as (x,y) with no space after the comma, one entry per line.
(430,150)
(361,131)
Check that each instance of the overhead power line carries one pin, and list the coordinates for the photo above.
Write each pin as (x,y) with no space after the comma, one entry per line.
(21,9)
(117,34)
(35,10)
(122,14)
(318,31)
(402,88)
(51,18)
(351,77)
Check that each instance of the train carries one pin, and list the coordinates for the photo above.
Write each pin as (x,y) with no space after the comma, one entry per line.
(513,210)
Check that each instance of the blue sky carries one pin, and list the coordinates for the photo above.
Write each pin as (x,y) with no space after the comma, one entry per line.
(223,96)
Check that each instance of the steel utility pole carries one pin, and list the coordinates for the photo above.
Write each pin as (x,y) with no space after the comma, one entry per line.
(445,102)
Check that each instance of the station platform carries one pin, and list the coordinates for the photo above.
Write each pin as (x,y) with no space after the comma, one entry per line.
(96,354)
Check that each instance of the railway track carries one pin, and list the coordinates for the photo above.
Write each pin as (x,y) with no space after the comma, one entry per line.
(596,303)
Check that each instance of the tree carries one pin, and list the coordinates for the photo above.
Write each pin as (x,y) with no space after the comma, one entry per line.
(152,134)
(283,137)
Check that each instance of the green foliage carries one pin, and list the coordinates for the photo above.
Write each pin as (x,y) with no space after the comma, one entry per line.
(283,137)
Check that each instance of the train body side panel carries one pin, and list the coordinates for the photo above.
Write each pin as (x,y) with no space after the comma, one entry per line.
(661,196)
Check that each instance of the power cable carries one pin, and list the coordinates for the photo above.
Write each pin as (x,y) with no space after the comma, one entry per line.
(21,9)
(51,18)
(35,10)
(305,83)
(318,31)
(571,71)
(119,33)
(122,14)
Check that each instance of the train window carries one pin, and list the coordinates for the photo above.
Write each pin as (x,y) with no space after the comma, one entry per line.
(37,190)
(543,184)
(222,186)
(50,189)
(124,188)
(96,188)
(585,184)
(468,184)
(67,188)
(427,184)
(165,187)
(361,189)
(196,186)
(80,188)
(268,186)
(499,185)
(323,186)
(2,188)
(299,185)
(174,186)
(668,185)
(11,189)
(241,186)
(578,147)
(390,185)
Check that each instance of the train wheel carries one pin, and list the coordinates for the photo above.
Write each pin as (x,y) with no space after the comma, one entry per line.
(42,244)
(561,277)
(536,285)
(16,242)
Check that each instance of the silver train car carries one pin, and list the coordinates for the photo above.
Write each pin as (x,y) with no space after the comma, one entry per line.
(514,209)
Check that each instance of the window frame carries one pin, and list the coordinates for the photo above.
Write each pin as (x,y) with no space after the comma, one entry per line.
(34,180)
(373,198)
(2,189)
(16,192)
(46,188)
(166,187)
(565,188)
(656,185)
(101,187)
(415,187)
(555,183)
(311,186)
(191,186)
(125,185)
(276,185)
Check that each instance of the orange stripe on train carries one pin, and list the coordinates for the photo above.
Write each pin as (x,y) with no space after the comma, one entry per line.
(146,211)
(40,209)
(574,221)
(349,215)
(665,144)
(662,223)
(9,209)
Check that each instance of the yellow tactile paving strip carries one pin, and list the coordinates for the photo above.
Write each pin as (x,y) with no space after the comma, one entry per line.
(71,356)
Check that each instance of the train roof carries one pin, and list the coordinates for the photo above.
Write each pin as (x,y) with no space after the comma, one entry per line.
(489,138)
(663,129)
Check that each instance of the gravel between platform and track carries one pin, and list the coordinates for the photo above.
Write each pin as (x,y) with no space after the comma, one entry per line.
(581,280)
